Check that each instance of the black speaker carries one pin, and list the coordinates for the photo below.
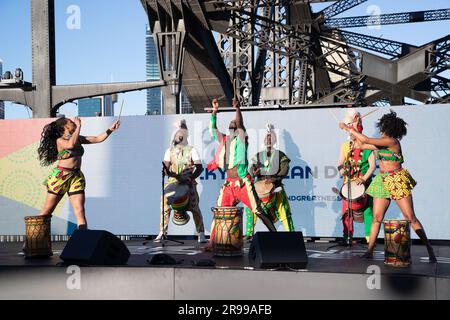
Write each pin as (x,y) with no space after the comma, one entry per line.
(270,250)
(95,247)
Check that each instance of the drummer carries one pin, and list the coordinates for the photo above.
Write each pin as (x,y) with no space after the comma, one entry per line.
(363,165)
(182,164)
(232,156)
(270,167)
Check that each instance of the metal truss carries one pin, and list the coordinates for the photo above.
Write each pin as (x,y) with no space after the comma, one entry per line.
(279,62)
(235,4)
(440,56)
(280,52)
(391,48)
(440,90)
(339,7)
(267,33)
(339,59)
(385,19)
(286,58)
(238,55)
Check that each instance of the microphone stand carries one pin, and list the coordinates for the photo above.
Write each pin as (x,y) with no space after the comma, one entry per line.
(349,201)
(349,208)
(164,237)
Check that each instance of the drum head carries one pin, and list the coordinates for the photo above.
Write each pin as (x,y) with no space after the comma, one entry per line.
(175,191)
(226,208)
(397,221)
(263,189)
(356,190)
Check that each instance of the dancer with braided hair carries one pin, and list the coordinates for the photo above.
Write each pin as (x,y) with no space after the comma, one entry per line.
(392,182)
(61,141)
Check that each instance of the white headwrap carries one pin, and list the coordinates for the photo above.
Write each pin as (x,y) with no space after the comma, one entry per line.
(182,129)
(270,129)
(350,115)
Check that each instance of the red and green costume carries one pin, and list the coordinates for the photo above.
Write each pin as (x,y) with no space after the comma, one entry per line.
(232,153)
(359,163)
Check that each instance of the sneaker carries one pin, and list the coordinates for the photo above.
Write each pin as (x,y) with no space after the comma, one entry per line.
(158,237)
(201,237)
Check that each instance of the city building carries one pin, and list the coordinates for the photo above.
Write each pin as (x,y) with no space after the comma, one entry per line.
(185,105)
(102,106)
(154,99)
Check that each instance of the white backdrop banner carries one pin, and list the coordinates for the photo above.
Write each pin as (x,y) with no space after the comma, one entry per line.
(124,173)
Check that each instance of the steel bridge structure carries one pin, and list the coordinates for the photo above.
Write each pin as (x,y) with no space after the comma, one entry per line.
(269,52)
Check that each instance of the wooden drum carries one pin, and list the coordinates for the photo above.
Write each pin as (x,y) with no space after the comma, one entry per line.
(38,243)
(228,231)
(397,243)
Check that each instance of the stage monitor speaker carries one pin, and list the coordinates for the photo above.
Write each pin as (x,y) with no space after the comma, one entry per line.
(270,250)
(95,247)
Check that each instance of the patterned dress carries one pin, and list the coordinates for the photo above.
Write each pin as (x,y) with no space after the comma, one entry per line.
(395,184)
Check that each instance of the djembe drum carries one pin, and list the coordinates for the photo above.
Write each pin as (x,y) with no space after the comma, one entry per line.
(178,199)
(38,243)
(397,243)
(358,198)
(228,231)
(267,194)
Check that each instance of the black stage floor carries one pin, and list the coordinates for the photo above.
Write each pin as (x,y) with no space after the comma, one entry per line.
(338,273)
(334,260)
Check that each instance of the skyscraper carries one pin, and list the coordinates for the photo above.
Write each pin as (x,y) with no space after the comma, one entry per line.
(154,99)
(97,107)
(186,106)
(2,104)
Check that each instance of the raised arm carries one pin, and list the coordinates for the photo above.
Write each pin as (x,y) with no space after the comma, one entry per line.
(101,137)
(239,120)
(215,133)
(369,143)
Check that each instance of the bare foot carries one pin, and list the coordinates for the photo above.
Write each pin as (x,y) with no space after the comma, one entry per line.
(208,247)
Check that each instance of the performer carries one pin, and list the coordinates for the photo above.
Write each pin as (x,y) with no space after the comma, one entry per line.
(271,166)
(392,182)
(232,156)
(61,141)
(363,165)
(182,163)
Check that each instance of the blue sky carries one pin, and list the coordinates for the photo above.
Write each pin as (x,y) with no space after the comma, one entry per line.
(110,44)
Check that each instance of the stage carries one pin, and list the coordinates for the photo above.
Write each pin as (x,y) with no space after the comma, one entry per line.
(338,273)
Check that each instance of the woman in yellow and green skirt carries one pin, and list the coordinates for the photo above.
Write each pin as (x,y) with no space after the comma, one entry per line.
(393,182)
(61,141)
